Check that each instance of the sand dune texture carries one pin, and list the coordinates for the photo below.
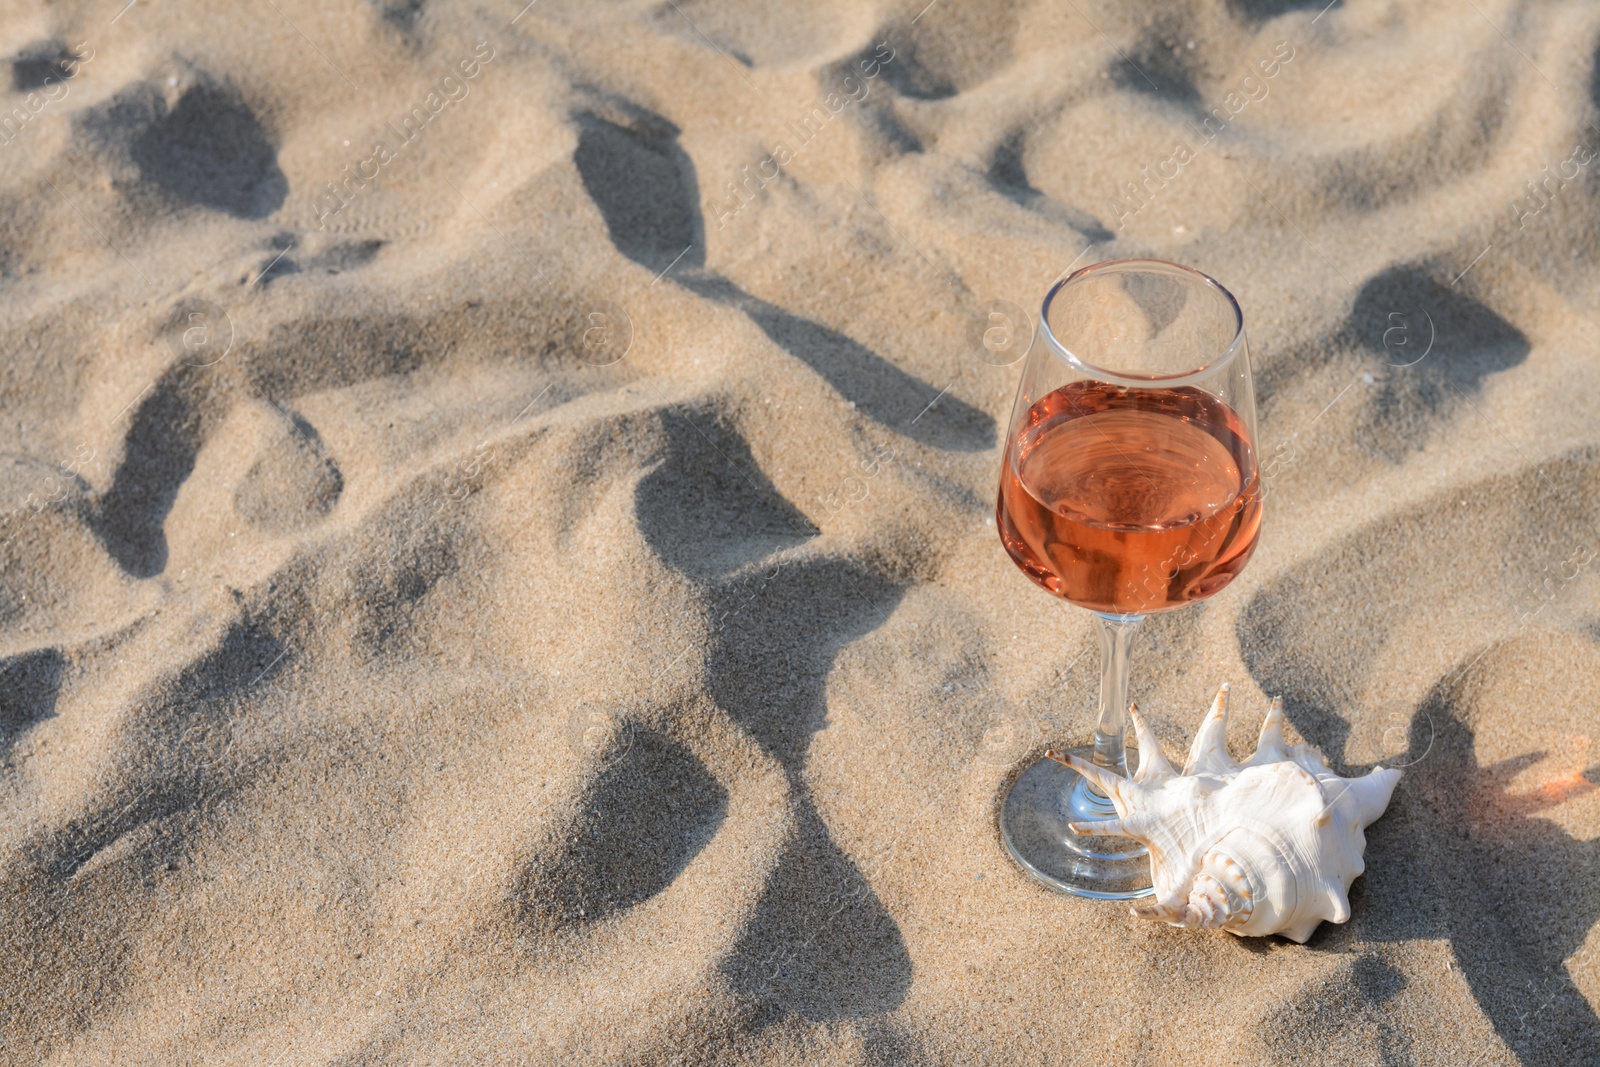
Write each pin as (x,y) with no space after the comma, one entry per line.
(498,557)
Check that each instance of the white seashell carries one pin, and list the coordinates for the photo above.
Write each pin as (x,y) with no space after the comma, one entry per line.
(1268,846)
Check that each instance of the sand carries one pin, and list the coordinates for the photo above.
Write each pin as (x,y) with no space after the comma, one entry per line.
(498,549)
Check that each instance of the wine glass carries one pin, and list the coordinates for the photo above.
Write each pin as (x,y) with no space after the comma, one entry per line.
(1129,486)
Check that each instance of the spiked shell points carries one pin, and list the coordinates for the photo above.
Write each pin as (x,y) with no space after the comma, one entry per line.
(1267,846)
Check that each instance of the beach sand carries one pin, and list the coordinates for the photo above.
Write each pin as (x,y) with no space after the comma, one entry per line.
(499,561)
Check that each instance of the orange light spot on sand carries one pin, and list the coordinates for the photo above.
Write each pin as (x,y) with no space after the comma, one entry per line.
(1566,779)
(1566,787)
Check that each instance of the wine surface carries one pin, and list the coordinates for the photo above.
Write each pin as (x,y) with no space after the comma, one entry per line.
(1130,501)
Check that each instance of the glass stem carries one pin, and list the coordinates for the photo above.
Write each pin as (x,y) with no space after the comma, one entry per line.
(1115,633)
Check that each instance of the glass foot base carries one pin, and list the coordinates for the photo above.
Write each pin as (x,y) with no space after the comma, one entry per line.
(1033,824)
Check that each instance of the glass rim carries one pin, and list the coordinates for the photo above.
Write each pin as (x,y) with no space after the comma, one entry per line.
(1078,363)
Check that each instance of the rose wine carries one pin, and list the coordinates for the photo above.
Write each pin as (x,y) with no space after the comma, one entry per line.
(1130,501)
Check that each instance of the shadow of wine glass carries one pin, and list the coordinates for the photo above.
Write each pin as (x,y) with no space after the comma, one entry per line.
(1511,884)
(1460,857)
(1464,854)
(1464,859)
